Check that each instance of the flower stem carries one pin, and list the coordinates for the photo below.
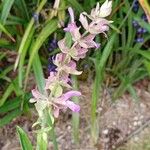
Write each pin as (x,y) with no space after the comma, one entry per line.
(52,131)
(75,115)
(99,67)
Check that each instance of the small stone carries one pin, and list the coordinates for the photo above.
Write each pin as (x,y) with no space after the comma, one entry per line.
(142,105)
(139,123)
(105,132)
(69,127)
(141,117)
(135,118)
(100,109)
(128,132)
(130,126)
(113,146)
(136,139)
(114,123)
(135,123)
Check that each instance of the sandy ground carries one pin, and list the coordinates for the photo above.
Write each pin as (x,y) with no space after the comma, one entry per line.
(123,125)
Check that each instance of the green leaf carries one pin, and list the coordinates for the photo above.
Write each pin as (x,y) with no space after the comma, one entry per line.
(147,65)
(57,91)
(68,39)
(49,28)
(27,34)
(133,92)
(6,44)
(42,141)
(21,5)
(7,93)
(38,72)
(23,54)
(24,140)
(145,54)
(3,29)
(9,117)
(75,4)
(7,4)
(14,103)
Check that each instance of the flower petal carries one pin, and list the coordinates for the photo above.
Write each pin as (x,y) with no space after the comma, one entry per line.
(70,94)
(62,46)
(70,10)
(105,9)
(56,112)
(83,21)
(38,95)
(74,107)
(32,100)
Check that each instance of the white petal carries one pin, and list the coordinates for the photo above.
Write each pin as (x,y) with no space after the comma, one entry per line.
(83,21)
(105,9)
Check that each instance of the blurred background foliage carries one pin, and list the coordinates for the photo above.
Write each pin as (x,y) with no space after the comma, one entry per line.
(29,31)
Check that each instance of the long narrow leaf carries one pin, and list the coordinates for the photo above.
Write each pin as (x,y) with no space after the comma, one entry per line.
(3,29)
(26,34)
(7,4)
(9,117)
(24,140)
(38,72)
(50,27)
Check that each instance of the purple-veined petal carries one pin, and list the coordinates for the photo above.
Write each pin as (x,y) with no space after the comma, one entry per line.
(69,94)
(71,13)
(89,42)
(83,21)
(62,46)
(74,107)
(38,95)
(71,68)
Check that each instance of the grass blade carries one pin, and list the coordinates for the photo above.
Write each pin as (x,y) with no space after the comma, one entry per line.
(97,84)
(38,72)
(7,93)
(3,29)
(49,28)
(24,140)
(75,4)
(27,33)
(13,104)
(10,116)
(7,4)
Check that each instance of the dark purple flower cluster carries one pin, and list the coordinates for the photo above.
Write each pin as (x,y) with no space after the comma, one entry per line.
(136,6)
(52,45)
(140,31)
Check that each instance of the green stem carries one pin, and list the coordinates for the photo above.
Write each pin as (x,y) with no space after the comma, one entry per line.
(75,115)
(100,64)
(52,131)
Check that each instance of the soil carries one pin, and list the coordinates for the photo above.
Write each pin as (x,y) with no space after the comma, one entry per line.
(123,125)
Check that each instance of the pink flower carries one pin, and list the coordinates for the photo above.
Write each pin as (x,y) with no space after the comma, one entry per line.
(53,80)
(79,49)
(95,27)
(101,12)
(88,42)
(65,64)
(37,96)
(57,103)
(72,27)
(64,102)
